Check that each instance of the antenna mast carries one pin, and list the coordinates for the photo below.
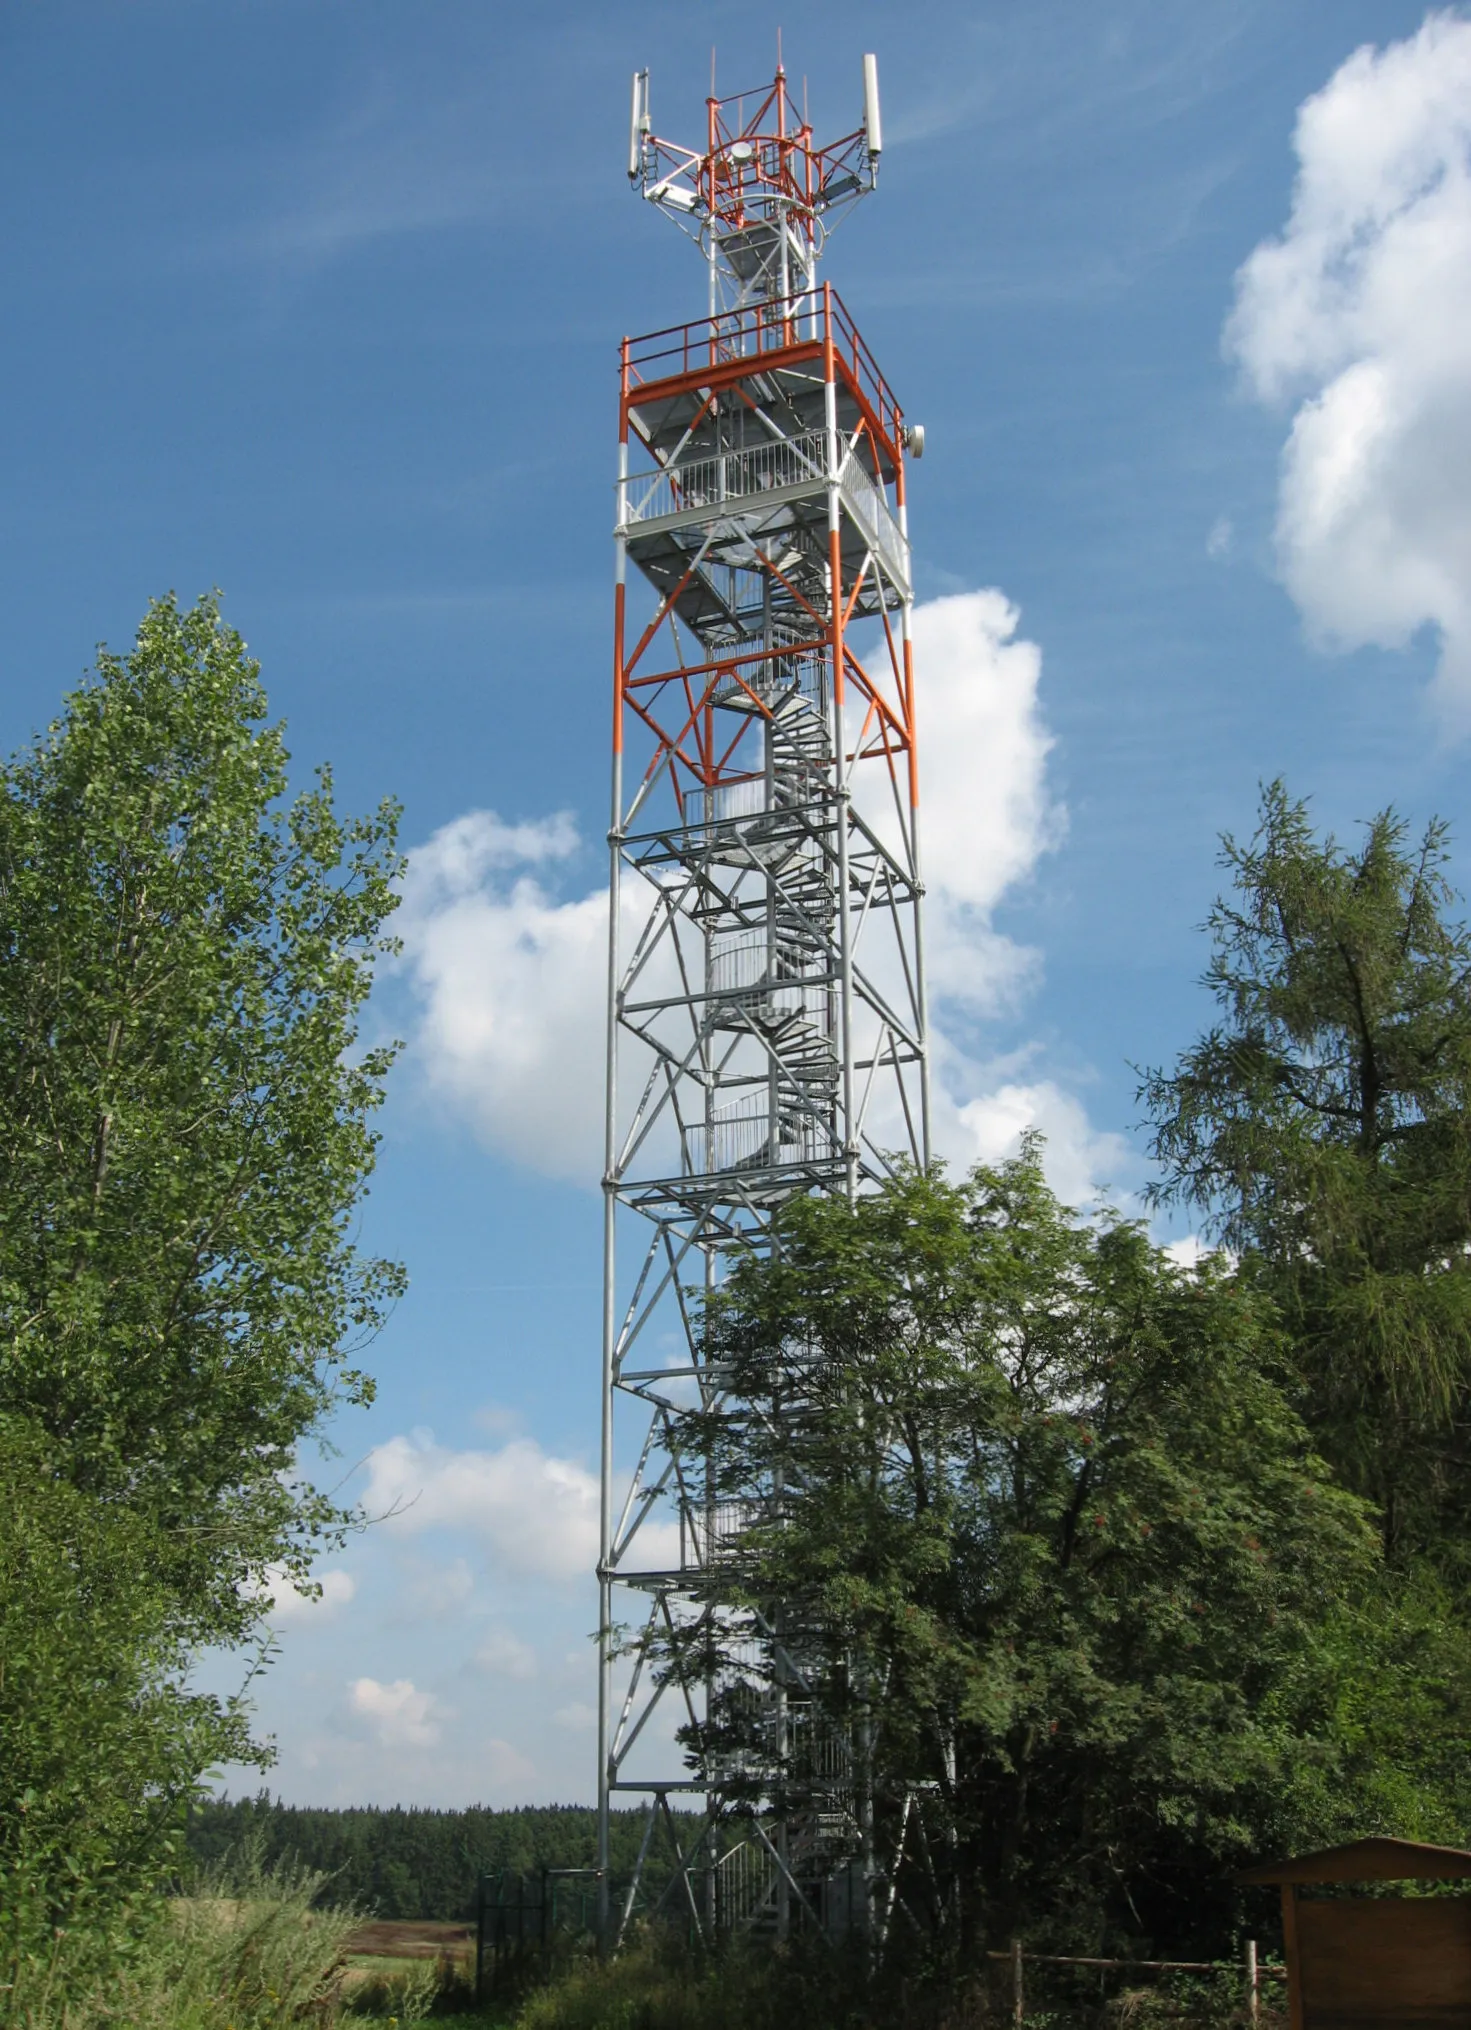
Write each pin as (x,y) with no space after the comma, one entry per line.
(759,199)
(766,1001)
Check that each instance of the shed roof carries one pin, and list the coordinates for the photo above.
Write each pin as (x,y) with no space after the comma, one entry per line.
(1372,1860)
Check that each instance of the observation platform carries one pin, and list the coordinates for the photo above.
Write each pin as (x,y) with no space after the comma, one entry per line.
(732,414)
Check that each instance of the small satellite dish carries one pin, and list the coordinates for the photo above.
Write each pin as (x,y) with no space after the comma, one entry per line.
(741,152)
(914,439)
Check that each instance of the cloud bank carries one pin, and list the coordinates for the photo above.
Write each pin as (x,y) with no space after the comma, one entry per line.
(1358,313)
(289,1605)
(532,1512)
(1083,1163)
(509,985)
(399,1715)
(986,813)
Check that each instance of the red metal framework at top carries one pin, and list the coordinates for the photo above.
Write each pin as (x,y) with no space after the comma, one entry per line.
(807,323)
(695,365)
(757,162)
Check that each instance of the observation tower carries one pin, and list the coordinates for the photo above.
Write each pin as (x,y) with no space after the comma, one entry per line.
(766,999)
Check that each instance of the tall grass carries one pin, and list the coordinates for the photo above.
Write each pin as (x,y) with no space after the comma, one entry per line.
(248,1950)
(661,1984)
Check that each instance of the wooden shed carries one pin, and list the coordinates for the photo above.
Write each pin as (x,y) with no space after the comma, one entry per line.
(1375,1962)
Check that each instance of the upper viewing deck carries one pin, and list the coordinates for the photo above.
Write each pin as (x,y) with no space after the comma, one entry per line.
(766,337)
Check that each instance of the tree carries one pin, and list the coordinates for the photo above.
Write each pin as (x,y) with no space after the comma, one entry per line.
(1323,1127)
(1048,1533)
(185,1134)
(99,1736)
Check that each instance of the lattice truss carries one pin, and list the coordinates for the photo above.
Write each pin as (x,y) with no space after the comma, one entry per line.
(760,197)
(766,996)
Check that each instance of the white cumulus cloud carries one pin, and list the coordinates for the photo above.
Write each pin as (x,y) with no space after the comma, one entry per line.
(1358,313)
(988,1127)
(986,812)
(508,980)
(536,1513)
(289,1605)
(399,1714)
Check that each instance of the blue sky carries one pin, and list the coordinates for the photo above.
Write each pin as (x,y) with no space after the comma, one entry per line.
(319,302)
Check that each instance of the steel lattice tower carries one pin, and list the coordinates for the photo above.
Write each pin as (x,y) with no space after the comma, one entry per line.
(766,1003)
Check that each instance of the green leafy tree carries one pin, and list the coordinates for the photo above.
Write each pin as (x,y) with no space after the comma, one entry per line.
(1322,1126)
(1040,1525)
(98,1734)
(185,1138)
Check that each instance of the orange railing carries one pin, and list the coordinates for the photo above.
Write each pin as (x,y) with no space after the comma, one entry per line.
(778,325)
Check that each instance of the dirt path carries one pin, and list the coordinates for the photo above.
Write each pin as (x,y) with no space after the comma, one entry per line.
(411,1939)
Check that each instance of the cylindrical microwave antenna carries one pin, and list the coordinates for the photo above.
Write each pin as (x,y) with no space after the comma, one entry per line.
(872,124)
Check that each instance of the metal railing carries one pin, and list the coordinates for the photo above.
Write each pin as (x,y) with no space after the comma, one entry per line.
(760,328)
(742,965)
(732,479)
(715,1529)
(741,1137)
(745,1884)
(870,510)
(727,476)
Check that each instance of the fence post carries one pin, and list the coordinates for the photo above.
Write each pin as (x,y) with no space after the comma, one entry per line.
(1018,1996)
(1253,1982)
(480,1939)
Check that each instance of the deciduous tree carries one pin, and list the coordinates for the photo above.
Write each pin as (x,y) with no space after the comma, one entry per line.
(1037,1520)
(185,1140)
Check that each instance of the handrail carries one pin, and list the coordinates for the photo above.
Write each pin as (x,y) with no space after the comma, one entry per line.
(715,477)
(776,325)
(717,480)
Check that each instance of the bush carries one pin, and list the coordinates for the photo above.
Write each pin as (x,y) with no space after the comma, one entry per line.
(248,1952)
(660,1982)
(100,1740)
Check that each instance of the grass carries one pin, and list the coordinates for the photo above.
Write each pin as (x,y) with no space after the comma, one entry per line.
(256,1951)
(253,1951)
(661,1985)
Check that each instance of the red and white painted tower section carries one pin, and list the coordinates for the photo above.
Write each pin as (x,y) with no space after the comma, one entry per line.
(766,1000)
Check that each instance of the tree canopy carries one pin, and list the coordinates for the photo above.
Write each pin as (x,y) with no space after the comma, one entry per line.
(409,1863)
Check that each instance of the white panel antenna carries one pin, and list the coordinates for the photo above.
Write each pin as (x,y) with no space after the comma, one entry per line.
(639,124)
(872,124)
